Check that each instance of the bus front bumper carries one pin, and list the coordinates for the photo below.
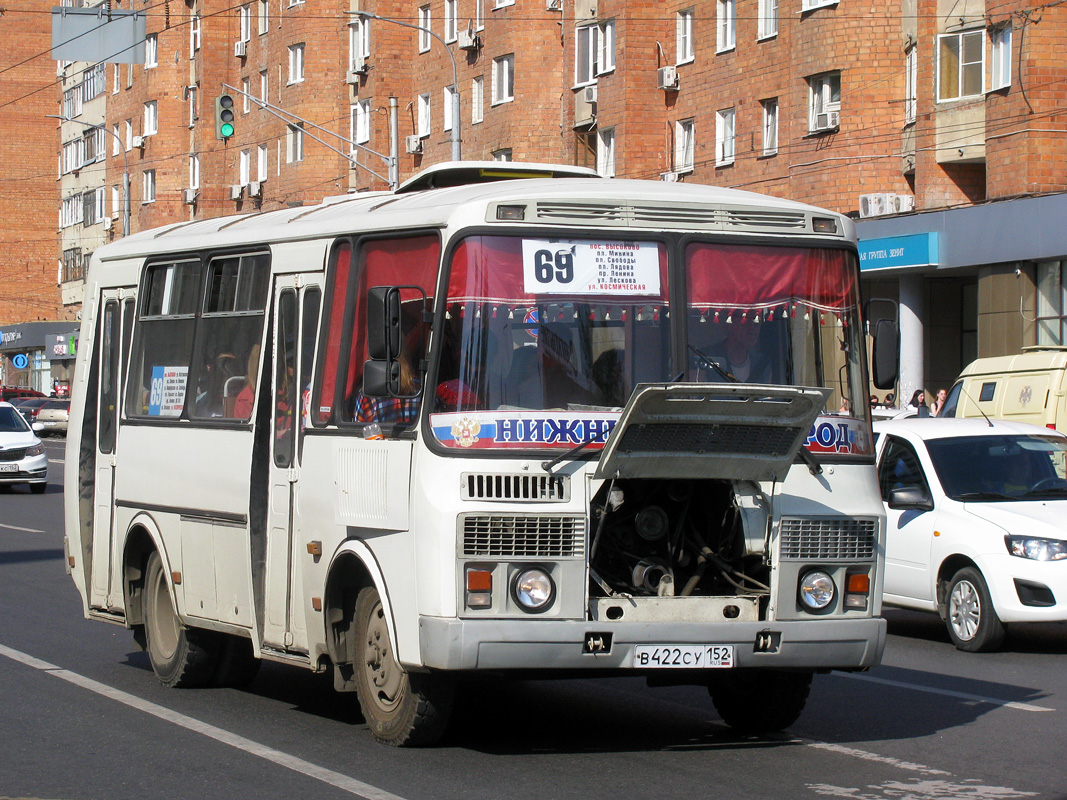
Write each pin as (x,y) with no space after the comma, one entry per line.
(458,644)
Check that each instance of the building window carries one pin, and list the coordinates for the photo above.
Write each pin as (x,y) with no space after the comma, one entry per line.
(116,140)
(246,95)
(151,118)
(194,171)
(477,99)
(960,65)
(264,82)
(807,5)
(94,83)
(770,126)
(605,153)
(245,14)
(129,135)
(423,121)
(1000,40)
(151,51)
(72,103)
(361,122)
(424,29)
(296,63)
(264,17)
(261,165)
(683,37)
(194,35)
(585,54)
(606,48)
(116,77)
(149,195)
(446,111)
(504,79)
(1052,302)
(294,143)
(725,25)
(911,68)
(767,23)
(116,201)
(479,15)
(192,95)
(450,21)
(504,154)
(684,134)
(824,102)
(245,168)
(502,3)
(724,137)
(358,43)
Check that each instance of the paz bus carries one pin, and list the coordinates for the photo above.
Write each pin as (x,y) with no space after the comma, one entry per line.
(506,419)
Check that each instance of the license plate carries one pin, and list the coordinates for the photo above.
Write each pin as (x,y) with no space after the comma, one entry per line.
(684,656)
(9,467)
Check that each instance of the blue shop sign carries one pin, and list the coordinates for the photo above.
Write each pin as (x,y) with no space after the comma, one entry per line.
(912,250)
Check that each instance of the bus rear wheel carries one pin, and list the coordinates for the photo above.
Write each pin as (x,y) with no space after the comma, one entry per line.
(180,656)
(401,708)
(757,701)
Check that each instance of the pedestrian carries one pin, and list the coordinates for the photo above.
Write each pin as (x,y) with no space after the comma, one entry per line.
(918,403)
(939,403)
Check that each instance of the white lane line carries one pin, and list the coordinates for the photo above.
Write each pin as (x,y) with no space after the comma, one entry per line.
(866,755)
(343,782)
(17,528)
(975,698)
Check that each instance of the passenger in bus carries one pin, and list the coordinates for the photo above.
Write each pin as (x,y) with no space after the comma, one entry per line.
(393,410)
(739,356)
(242,407)
(216,372)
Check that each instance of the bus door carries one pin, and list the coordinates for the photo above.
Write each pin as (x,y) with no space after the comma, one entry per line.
(112,343)
(296,319)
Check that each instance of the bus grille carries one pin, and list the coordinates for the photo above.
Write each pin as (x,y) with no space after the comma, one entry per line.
(523,536)
(672,216)
(530,488)
(828,539)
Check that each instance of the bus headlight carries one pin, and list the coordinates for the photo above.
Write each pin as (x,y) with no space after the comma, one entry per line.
(533,590)
(816,589)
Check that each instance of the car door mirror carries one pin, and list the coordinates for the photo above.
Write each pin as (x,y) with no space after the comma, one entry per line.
(910,498)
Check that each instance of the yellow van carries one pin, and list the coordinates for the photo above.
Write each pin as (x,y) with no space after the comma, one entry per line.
(1029,387)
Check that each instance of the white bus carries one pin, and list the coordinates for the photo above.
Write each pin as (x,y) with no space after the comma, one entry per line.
(647,449)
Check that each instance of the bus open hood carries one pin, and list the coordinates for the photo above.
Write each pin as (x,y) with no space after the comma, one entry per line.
(710,430)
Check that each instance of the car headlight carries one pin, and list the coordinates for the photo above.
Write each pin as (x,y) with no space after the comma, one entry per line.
(1035,548)
(533,589)
(816,589)
(36,450)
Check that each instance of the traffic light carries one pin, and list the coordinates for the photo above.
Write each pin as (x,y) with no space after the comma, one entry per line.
(223,116)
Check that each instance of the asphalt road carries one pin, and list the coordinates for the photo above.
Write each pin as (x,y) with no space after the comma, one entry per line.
(82,716)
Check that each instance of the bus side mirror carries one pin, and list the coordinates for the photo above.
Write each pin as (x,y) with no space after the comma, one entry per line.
(383,322)
(885,355)
(381,378)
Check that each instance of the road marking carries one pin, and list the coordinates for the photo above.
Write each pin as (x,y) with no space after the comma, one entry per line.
(868,756)
(343,782)
(17,528)
(976,698)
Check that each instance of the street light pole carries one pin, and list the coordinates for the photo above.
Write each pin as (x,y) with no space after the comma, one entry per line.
(456,154)
(125,169)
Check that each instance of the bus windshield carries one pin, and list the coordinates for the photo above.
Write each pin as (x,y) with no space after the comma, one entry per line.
(571,326)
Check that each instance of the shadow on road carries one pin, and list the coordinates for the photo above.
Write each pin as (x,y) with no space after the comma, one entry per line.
(26,556)
(1035,637)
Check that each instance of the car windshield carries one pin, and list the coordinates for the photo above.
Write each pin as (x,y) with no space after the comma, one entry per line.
(11,421)
(1008,467)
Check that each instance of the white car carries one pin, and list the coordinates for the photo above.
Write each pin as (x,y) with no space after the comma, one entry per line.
(976,523)
(22,457)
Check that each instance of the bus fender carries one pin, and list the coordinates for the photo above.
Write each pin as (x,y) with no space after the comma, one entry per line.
(142,537)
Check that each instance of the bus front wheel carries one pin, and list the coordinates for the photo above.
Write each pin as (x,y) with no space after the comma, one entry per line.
(401,708)
(180,656)
(758,701)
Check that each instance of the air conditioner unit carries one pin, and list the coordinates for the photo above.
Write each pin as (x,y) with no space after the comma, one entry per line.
(553,5)
(240,49)
(903,203)
(255,189)
(669,177)
(137,141)
(667,78)
(189,196)
(107,223)
(412,144)
(237,191)
(590,94)
(469,40)
(872,205)
(827,121)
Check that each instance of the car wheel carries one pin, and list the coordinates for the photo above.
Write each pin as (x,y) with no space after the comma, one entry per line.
(180,656)
(758,701)
(401,708)
(973,624)
(38,488)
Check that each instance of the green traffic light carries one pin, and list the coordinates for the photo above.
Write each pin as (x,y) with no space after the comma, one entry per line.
(226,129)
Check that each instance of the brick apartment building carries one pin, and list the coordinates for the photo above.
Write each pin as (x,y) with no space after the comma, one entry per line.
(940,124)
